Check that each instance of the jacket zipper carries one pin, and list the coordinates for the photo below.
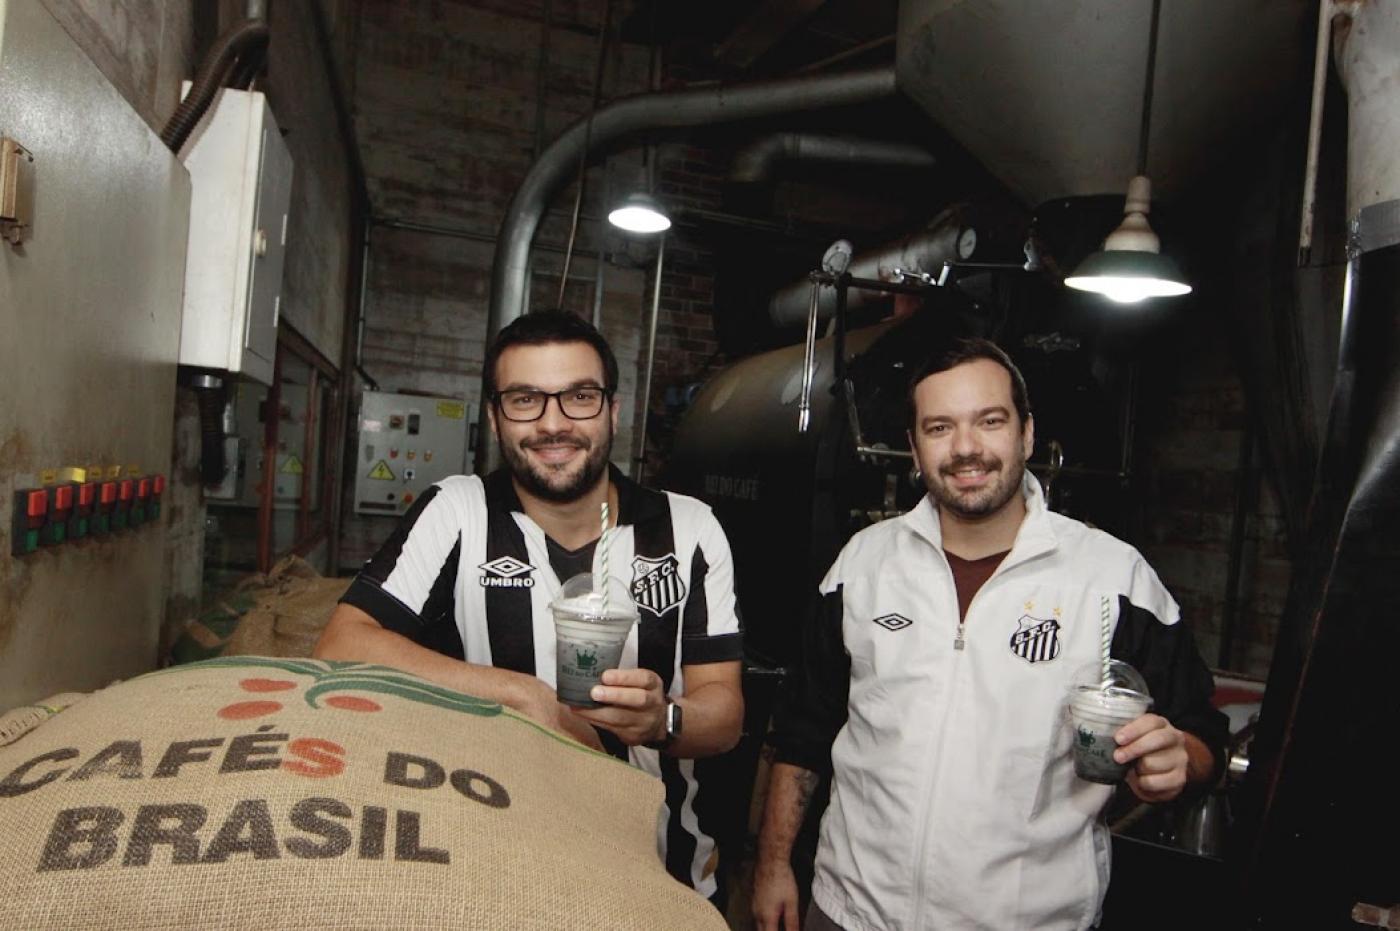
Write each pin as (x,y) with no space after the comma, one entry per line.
(959,644)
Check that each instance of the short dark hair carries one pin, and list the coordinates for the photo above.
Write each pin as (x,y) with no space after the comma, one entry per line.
(543,327)
(963,351)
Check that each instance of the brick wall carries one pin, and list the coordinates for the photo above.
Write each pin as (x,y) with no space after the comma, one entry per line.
(447,107)
(1191,426)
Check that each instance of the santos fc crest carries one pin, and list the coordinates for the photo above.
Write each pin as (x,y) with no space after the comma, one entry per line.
(656,583)
(1036,640)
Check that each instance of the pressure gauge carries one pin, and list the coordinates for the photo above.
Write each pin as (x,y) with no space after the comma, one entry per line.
(967,243)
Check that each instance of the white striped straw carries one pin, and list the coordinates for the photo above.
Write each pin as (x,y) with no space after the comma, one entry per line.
(603,557)
(1105,638)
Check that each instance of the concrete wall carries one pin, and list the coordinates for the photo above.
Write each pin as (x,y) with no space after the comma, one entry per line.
(318,243)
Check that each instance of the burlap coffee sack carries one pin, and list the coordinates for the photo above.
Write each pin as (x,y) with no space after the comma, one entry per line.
(281,613)
(248,792)
(287,619)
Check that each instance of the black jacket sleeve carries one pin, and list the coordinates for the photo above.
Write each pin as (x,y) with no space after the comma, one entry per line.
(1180,683)
(812,706)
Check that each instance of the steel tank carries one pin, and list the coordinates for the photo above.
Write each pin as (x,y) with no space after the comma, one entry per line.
(789,500)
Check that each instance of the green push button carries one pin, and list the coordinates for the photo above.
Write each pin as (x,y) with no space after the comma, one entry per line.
(101,524)
(138,516)
(78,528)
(119,520)
(54,534)
(30,542)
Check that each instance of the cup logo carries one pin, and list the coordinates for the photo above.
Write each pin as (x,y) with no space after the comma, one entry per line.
(585,660)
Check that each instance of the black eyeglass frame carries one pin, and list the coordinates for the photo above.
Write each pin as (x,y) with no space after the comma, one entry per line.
(606,394)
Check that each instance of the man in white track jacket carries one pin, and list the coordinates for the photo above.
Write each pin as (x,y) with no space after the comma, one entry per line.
(933,683)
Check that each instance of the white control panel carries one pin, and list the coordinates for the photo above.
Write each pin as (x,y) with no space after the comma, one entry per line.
(241,176)
(407,442)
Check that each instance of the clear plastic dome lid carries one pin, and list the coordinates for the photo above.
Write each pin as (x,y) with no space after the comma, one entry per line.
(578,595)
(1121,677)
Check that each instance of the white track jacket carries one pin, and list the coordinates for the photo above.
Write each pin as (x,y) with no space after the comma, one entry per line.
(954,802)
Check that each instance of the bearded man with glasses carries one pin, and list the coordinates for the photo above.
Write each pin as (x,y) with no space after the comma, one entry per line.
(459,594)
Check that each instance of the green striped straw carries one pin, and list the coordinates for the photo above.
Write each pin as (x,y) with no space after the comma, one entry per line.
(603,557)
(1105,642)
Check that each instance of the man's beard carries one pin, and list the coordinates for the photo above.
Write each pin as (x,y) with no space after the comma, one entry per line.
(556,484)
(980,502)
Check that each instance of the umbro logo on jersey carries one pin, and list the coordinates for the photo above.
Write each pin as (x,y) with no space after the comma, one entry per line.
(893,621)
(506,572)
(1036,640)
(656,583)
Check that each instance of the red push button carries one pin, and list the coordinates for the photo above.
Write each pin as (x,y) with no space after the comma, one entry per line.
(37,503)
(143,489)
(108,495)
(126,489)
(87,494)
(63,498)
(159,486)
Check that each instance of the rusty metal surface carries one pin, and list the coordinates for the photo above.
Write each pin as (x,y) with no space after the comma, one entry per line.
(90,312)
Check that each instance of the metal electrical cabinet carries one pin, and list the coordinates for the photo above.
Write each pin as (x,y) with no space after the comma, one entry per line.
(245,428)
(241,174)
(407,442)
(89,337)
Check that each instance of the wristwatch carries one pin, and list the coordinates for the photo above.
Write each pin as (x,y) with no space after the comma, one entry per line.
(673,728)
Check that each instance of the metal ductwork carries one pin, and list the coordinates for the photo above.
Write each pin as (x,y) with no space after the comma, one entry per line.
(755,163)
(947,239)
(655,111)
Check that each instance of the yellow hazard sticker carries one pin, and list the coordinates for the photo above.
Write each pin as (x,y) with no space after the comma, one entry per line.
(48,476)
(382,472)
(291,467)
(452,410)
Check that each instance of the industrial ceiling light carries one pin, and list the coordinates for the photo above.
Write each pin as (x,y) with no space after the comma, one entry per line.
(640,213)
(1130,267)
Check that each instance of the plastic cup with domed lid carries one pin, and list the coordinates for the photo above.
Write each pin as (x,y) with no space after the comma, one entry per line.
(1097,709)
(590,633)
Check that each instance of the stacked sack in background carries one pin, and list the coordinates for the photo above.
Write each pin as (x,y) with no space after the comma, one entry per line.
(258,792)
(281,613)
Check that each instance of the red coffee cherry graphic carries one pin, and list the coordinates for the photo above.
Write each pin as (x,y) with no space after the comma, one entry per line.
(353,703)
(243,710)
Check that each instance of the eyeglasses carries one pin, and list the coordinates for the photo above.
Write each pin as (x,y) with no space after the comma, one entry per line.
(524,405)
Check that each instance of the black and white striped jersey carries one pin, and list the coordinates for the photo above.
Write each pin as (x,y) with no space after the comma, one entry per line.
(468,574)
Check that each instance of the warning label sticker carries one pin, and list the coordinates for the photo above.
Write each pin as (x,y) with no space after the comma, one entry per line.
(382,471)
(291,467)
(452,410)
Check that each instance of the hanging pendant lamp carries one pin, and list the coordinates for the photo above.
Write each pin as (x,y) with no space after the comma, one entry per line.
(1130,267)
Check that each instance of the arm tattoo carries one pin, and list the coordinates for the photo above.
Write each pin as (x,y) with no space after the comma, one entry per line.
(806,786)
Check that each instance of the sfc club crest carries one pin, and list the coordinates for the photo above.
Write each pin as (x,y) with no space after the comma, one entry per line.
(1036,640)
(656,583)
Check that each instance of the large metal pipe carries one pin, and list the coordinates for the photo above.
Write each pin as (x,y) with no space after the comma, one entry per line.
(947,239)
(755,162)
(663,110)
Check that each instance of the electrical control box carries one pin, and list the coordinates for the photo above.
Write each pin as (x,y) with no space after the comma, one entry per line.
(406,443)
(245,424)
(241,181)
